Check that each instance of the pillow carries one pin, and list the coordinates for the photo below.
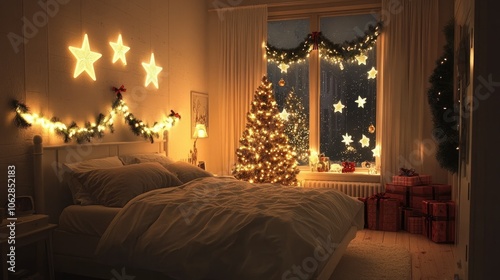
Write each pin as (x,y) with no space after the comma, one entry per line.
(161,158)
(80,196)
(186,171)
(114,187)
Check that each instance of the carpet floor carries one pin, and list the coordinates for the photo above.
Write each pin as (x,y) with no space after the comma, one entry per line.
(372,261)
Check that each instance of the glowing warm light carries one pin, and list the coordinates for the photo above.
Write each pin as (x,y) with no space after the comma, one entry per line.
(347,139)
(361,59)
(284,115)
(152,71)
(361,102)
(284,67)
(85,59)
(376,151)
(365,141)
(372,74)
(338,107)
(120,50)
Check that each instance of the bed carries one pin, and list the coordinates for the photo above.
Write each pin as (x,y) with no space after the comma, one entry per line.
(175,221)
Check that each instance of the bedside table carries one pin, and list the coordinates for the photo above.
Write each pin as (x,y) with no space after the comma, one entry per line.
(28,230)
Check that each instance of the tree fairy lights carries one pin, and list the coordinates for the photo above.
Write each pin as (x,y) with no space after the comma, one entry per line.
(264,155)
(25,119)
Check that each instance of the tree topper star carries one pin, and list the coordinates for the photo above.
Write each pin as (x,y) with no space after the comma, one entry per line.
(119,50)
(152,71)
(361,59)
(365,141)
(284,115)
(372,74)
(85,59)
(361,102)
(347,139)
(338,107)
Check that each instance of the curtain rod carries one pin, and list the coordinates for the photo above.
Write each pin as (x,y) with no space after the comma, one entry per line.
(301,3)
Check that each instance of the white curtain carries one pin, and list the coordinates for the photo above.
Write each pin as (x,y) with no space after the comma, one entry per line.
(241,64)
(408,49)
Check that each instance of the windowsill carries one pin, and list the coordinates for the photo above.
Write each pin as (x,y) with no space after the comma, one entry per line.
(360,175)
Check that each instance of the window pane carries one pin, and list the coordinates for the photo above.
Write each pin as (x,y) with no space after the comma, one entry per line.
(347,85)
(292,93)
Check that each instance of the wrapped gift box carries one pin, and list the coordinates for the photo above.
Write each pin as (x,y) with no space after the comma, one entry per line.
(411,220)
(364,199)
(383,213)
(412,196)
(439,220)
(416,180)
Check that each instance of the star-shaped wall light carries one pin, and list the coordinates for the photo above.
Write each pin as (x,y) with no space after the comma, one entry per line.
(152,71)
(347,139)
(376,151)
(338,107)
(361,59)
(85,58)
(120,50)
(361,102)
(365,141)
(372,74)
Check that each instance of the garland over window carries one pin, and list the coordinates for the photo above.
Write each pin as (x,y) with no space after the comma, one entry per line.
(25,119)
(335,53)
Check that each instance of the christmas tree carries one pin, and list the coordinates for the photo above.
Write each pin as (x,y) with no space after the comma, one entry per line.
(296,126)
(264,155)
(441,101)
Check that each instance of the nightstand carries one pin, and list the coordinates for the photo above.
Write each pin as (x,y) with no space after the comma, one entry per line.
(32,229)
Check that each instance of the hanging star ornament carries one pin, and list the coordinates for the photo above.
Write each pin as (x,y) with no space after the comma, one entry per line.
(365,141)
(376,151)
(361,102)
(120,50)
(85,59)
(347,139)
(338,107)
(284,115)
(284,67)
(361,59)
(372,74)
(152,71)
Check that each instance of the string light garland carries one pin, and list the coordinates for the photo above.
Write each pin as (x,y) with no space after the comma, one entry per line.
(349,51)
(25,119)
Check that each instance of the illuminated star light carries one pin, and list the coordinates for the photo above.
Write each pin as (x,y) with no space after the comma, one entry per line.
(361,102)
(152,71)
(284,67)
(284,115)
(85,59)
(119,50)
(372,74)
(365,141)
(361,59)
(347,139)
(376,151)
(338,107)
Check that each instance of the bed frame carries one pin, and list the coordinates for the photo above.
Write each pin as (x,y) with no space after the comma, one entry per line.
(52,196)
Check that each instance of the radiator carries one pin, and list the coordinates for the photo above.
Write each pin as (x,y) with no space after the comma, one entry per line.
(355,189)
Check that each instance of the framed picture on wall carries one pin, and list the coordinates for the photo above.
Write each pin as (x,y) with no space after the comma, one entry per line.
(199,111)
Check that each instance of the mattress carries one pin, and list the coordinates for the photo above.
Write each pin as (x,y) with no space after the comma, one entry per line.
(90,220)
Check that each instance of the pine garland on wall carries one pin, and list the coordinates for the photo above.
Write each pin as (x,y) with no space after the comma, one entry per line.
(441,102)
(25,119)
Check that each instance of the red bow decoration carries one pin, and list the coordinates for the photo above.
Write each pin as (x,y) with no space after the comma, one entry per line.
(407,172)
(315,38)
(174,114)
(119,91)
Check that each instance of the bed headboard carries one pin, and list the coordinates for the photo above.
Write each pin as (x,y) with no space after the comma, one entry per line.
(51,194)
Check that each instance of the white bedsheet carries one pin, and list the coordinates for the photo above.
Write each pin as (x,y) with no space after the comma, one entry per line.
(222,228)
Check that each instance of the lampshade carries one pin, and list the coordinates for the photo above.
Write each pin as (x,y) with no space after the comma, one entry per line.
(200,131)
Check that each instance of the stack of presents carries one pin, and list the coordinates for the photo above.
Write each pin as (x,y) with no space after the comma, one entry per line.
(414,204)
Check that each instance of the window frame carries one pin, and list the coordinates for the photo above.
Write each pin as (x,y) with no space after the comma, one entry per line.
(314,13)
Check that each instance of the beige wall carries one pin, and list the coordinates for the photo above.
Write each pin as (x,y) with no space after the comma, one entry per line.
(40,72)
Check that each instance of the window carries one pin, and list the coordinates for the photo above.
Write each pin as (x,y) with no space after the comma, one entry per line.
(339,99)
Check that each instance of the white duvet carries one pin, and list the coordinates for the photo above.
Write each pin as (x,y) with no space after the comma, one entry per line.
(222,228)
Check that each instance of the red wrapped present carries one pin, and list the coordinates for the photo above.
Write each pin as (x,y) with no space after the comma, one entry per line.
(416,180)
(414,225)
(383,213)
(441,192)
(439,220)
(364,199)
(410,196)
(411,220)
